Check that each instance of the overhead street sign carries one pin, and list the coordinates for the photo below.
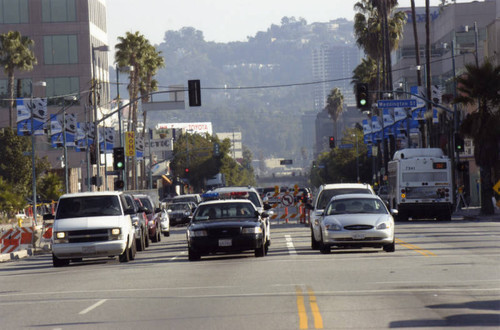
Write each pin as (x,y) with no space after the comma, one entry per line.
(410,103)
(346,146)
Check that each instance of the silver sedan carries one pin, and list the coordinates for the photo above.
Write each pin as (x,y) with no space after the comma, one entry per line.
(357,220)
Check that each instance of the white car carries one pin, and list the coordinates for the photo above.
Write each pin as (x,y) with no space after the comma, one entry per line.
(165,222)
(323,197)
(356,220)
(91,225)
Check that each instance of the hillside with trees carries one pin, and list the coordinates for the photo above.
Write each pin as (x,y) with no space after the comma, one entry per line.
(260,87)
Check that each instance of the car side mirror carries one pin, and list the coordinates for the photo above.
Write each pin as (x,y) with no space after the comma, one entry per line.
(267,207)
(157,210)
(129,211)
(48,216)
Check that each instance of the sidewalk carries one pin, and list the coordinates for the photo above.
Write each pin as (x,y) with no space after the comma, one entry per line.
(472,213)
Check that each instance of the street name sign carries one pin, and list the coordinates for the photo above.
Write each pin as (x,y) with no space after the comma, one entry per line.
(409,103)
(346,146)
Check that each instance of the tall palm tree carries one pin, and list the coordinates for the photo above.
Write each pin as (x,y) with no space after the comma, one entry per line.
(130,51)
(369,31)
(481,84)
(152,62)
(15,54)
(335,104)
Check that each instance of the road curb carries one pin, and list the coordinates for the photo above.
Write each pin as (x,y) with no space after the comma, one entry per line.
(16,255)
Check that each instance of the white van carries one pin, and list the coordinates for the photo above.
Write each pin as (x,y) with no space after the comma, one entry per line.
(91,225)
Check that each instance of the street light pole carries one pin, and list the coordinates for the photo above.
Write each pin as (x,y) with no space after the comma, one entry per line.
(103,48)
(33,162)
(357,158)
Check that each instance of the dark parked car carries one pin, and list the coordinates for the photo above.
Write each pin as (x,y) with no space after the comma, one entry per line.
(139,220)
(154,217)
(180,213)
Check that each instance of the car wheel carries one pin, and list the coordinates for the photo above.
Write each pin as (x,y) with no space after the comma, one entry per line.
(138,243)
(158,233)
(390,247)
(323,248)
(154,239)
(166,234)
(314,243)
(133,251)
(260,251)
(56,262)
(125,256)
(193,255)
(146,239)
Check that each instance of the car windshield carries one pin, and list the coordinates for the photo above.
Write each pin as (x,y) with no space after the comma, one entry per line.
(224,211)
(184,199)
(147,203)
(327,194)
(77,207)
(179,207)
(356,205)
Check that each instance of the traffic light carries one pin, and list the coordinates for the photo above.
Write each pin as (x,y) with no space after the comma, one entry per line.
(331,141)
(186,171)
(194,93)
(362,96)
(459,143)
(119,184)
(216,149)
(118,159)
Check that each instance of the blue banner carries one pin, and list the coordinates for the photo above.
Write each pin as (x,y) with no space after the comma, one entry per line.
(25,108)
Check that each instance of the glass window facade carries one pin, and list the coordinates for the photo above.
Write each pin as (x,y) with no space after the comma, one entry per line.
(14,11)
(60,49)
(58,88)
(58,11)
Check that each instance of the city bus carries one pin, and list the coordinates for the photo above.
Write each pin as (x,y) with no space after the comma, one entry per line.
(420,184)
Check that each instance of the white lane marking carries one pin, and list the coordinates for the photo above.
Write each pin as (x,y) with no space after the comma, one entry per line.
(289,245)
(177,256)
(97,304)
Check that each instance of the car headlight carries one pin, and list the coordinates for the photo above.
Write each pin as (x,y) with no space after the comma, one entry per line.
(198,233)
(252,230)
(115,231)
(383,225)
(60,237)
(333,227)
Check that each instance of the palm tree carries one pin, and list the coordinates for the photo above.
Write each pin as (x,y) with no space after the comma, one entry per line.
(151,63)
(481,84)
(335,104)
(369,27)
(130,51)
(15,54)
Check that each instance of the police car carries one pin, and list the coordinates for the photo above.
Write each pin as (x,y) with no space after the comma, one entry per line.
(229,225)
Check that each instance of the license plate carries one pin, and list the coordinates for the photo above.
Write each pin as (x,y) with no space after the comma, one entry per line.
(225,242)
(358,236)
(88,249)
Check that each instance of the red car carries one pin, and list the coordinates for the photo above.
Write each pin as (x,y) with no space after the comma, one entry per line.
(154,217)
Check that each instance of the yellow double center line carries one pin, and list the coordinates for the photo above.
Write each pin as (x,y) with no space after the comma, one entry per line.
(301,308)
(415,248)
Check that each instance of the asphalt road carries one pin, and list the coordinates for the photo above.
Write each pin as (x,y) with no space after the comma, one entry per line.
(442,275)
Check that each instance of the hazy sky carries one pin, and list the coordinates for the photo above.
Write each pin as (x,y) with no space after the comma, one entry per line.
(221,20)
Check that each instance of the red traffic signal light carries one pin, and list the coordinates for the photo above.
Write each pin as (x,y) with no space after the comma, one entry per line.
(186,170)
(331,141)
